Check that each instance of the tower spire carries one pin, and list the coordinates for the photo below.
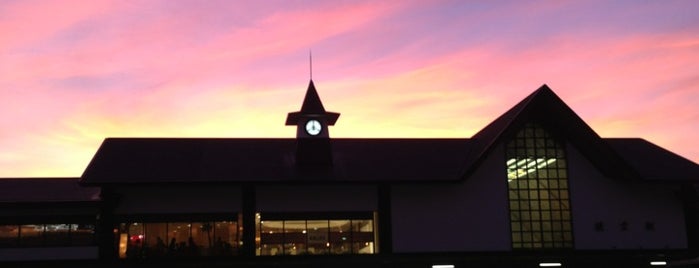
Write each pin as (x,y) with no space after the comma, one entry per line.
(310,63)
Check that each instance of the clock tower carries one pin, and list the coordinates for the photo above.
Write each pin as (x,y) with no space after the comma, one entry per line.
(312,121)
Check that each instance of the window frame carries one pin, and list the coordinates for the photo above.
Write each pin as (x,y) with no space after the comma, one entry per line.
(330,238)
(122,223)
(537,182)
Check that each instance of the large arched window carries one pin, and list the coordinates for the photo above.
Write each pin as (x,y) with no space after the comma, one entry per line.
(537,180)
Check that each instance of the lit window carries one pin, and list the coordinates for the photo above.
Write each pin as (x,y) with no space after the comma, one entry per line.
(178,239)
(9,235)
(537,179)
(47,235)
(293,235)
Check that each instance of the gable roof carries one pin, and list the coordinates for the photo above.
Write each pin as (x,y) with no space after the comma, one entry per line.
(543,106)
(156,160)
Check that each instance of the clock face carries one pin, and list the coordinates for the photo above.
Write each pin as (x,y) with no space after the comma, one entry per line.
(313,127)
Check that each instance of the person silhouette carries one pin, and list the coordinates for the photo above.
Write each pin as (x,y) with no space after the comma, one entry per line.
(160,246)
(172,247)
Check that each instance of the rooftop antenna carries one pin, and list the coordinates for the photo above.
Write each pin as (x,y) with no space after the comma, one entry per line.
(310,63)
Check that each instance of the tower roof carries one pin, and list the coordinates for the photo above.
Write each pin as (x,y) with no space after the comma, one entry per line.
(311,102)
(312,107)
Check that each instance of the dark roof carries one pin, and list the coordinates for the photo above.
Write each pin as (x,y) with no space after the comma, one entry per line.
(18,190)
(152,160)
(544,107)
(654,162)
(155,160)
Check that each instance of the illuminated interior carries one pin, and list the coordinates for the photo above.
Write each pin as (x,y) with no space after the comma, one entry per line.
(537,179)
(312,236)
(47,235)
(520,168)
(178,239)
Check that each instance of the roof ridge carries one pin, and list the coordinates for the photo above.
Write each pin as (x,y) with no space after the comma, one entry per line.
(544,106)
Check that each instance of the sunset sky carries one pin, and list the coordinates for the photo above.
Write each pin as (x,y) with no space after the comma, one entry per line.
(75,72)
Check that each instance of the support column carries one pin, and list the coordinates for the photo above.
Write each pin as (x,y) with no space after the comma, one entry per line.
(105,225)
(385,233)
(249,209)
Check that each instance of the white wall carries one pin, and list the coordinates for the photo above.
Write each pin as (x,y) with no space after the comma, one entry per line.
(466,216)
(316,198)
(179,199)
(596,198)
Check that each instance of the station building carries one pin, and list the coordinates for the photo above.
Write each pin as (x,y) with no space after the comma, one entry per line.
(536,185)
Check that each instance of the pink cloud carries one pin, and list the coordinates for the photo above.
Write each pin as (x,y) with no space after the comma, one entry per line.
(29,23)
(72,77)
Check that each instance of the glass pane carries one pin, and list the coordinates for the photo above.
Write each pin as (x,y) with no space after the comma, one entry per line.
(272,237)
(548,237)
(340,237)
(271,249)
(82,234)
(535,216)
(524,205)
(31,235)
(513,195)
(9,235)
(545,215)
(363,236)
(545,205)
(57,234)
(516,237)
(553,184)
(363,247)
(318,237)
(546,226)
(272,232)
(226,234)
(295,235)
(514,205)
(201,238)
(362,225)
(154,239)
(135,235)
(536,226)
(178,237)
(515,226)
(523,183)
